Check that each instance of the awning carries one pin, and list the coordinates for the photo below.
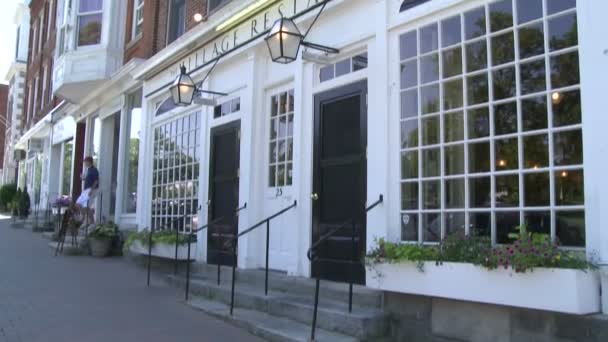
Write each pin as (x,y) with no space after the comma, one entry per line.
(41,129)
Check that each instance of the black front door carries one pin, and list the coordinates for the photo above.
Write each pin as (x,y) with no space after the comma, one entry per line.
(340,181)
(223,192)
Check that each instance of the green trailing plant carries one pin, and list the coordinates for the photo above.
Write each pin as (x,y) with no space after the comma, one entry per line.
(527,251)
(163,237)
(7,195)
(107,231)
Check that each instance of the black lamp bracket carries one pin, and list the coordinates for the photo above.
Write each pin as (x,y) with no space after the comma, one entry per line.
(315,46)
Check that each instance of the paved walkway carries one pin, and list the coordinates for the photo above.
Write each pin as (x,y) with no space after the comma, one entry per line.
(69,298)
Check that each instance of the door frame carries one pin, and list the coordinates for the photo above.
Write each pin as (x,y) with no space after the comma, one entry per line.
(234,124)
(340,92)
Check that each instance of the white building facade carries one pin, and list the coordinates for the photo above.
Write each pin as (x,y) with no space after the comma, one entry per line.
(464,115)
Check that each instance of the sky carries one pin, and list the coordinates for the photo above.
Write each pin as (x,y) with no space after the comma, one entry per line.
(7,36)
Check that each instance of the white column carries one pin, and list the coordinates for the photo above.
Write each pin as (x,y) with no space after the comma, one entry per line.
(123,143)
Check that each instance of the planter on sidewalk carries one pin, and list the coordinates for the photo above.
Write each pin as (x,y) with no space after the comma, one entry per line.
(100,238)
(163,250)
(100,247)
(552,289)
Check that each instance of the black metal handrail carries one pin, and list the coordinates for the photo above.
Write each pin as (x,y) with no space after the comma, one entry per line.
(311,256)
(234,242)
(171,223)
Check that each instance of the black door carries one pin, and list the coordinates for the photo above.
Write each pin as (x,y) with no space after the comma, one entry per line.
(340,181)
(223,192)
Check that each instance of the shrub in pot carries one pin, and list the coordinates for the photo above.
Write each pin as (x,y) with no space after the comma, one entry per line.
(100,238)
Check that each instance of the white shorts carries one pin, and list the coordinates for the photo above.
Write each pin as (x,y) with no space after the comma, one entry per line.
(85,197)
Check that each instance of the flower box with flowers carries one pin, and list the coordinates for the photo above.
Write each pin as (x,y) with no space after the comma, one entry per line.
(163,244)
(531,273)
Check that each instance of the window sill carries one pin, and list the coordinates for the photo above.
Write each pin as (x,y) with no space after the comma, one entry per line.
(134,41)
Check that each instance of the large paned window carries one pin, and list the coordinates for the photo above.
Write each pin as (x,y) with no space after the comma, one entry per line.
(133,140)
(66,179)
(177,20)
(96,142)
(175,173)
(90,16)
(280,171)
(138,17)
(216,4)
(491,133)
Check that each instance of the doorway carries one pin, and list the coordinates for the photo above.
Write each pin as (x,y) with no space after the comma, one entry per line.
(223,192)
(340,181)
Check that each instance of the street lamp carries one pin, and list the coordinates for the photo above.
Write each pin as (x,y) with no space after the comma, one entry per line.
(184,89)
(284,40)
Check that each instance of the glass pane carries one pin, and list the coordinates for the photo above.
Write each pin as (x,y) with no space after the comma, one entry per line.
(409,165)
(360,62)
(454,224)
(452,94)
(454,193)
(283,103)
(409,74)
(431,195)
(428,38)
(570,228)
(480,224)
(453,125)
(533,77)
(408,45)
(272,176)
(409,103)
(536,151)
(479,157)
(450,31)
(531,40)
(274,106)
(430,131)
(452,62)
(477,87)
(566,108)
(504,83)
(274,129)
(528,10)
(429,68)
(554,6)
(479,123)
(475,23)
(454,160)
(273,153)
(507,191)
(431,163)
(409,196)
(90,5)
(563,32)
(343,67)
(477,55)
(538,221)
(501,15)
(430,99)
(536,189)
(89,29)
(564,70)
(569,187)
(534,113)
(281,175)
(479,192)
(431,227)
(506,223)
(506,154)
(409,133)
(568,148)
(503,50)
(409,227)
(505,118)
(326,73)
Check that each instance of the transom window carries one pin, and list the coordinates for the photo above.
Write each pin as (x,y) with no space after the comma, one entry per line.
(343,67)
(281,139)
(138,17)
(491,131)
(227,108)
(175,173)
(90,16)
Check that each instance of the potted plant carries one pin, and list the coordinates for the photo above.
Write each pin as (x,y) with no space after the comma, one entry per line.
(163,244)
(100,238)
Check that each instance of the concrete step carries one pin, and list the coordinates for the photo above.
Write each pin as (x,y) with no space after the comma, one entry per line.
(363,323)
(271,328)
(282,282)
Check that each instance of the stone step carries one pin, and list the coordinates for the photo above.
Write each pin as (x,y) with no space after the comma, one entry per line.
(282,282)
(363,322)
(271,328)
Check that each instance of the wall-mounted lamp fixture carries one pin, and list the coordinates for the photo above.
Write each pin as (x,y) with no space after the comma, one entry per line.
(184,89)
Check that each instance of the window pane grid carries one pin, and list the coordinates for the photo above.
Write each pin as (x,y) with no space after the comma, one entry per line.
(504,180)
(281,123)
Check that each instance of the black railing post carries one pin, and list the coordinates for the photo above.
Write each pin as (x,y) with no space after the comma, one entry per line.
(188,267)
(352,264)
(220,256)
(234,261)
(176,245)
(314,314)
(267,256)
(149,254)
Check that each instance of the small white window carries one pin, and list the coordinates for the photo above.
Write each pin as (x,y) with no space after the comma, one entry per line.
(90,15)
(138,17)
(281,140)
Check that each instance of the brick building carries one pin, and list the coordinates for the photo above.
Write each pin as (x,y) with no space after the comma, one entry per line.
(4,107)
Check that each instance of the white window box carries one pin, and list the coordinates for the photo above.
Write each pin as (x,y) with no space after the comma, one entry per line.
(165,251)
(551,289)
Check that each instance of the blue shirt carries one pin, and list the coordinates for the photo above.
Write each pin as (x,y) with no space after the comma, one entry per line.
(91,177)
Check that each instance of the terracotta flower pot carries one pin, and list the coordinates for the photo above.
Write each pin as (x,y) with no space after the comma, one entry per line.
(100,247)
